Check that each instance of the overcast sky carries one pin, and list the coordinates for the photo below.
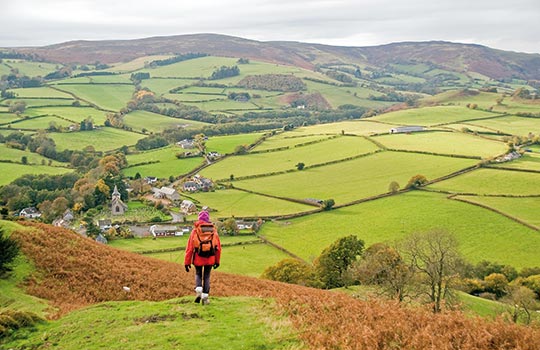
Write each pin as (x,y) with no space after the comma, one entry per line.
(503,24)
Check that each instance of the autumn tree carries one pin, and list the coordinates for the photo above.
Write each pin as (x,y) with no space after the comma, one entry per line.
(416,181)
(383,266)
(292,271)
(393,187)
(336,259)
(434,257)
(522,300)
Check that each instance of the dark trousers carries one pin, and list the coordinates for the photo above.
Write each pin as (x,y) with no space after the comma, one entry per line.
(202,277)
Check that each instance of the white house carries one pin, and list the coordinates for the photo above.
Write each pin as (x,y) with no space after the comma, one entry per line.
(406,129)
(30,213)
(188,207)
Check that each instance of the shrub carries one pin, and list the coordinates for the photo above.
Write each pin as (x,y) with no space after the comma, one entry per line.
(9,249)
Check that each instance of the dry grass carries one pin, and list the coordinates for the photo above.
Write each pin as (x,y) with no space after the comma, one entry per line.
(74,272)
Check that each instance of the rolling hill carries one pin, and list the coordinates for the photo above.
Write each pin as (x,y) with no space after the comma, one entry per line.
(465,58)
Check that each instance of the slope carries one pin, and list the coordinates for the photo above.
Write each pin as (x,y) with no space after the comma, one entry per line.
(73,272)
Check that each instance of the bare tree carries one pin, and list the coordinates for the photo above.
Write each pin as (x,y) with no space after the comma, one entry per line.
(522,300)
(434,256)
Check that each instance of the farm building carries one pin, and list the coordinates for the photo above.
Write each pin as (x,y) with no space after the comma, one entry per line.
(104,224)
(166,192)
(186,143)
(406,129)
(188,207)
(30,213)
(167,230)
(150,180)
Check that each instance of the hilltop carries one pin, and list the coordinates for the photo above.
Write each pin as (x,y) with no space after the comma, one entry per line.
(73,272)
(463,58)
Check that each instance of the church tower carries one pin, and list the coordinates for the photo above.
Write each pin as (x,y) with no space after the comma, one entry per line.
(117,206)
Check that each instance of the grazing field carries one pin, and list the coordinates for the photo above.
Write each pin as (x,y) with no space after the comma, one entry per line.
(288,139)
(359,178)
(109,97)
(357,127)
(222,105)
(228,203)
(482,234)
(44,102)
(263,163)
(44,122)
(227,144)
(492,181)
(75,114)
(162,86)
(484,100)
(529,161)
(526,209)
(40,92)
(11,171)
(31,69)
(135,64)
(429,116)
(139,120)
(444,143)
(103,139)
(96,79)
(514,125)
(202,67)
(15,155)
(7,118)
(338,96)
(515,105)
(167,163)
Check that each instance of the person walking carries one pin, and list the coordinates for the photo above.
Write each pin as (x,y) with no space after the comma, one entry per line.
(204,252)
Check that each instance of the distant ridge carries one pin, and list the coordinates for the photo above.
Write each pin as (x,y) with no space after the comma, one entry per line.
(466,58)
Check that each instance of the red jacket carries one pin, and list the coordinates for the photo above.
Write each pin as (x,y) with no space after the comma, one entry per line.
(192,258)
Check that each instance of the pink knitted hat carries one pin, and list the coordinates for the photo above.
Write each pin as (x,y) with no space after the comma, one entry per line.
(204,216)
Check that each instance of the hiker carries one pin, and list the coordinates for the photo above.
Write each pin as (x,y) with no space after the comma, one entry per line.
(204,252)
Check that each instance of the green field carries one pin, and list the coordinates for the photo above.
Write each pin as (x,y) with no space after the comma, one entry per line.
(168,164)
(429,116)
(512,125)
(492,181)
(163,86)
(41,92)
(6,118)
(38,123)
(228,143)
(96,79)
(109,97)
(235,203)
(31,69)
(103,139)
(529,161)
(156,123)
(444,143)
(75,114)
(15,155)
(482,234)
(288,139)
(359,178)
(44,102)
(484,100)
(135,64)
(263,163)
(526,209)
(12,171)
(357,127)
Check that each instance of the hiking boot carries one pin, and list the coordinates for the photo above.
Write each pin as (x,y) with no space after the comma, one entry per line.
(205,300)
(198,292)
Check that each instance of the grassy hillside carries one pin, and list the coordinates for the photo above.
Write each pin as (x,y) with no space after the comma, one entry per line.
(297,317)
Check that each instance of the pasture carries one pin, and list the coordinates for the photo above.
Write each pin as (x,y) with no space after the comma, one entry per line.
(167,163)
(484,100)
(44,102)
(526,208)
(491,181)
(444,143)
(227,144)
(483,234)
(513,125)
(40,92)
(135,64)
(163,86)
(430,116)
(263,163)
(75,114)
(40,123)
(139,120)
(102,139)
(15,155)
(230,202)
(109,97)
(11,171)
(287,139)
(96,79)
(529,161)
(8,118)
(355,127)
(355,179)
(31,69)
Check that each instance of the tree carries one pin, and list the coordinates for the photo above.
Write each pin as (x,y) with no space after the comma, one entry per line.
(382,265)
(229,227)
(434,256)
(522,300)
(9,249)
(292,271)
(416,181)
(24,159)
(327,204)
(393,187)
(300,166)
(336,259)
(496,283)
